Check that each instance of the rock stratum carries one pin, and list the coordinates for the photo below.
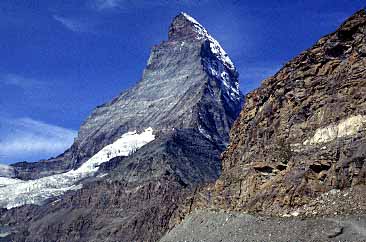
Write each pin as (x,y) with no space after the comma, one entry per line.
(136,157)
(298,148)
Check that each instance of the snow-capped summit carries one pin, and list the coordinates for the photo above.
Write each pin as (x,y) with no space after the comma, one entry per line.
(184,27)
(184,76)
(215,60)
(190,18)
(189,82)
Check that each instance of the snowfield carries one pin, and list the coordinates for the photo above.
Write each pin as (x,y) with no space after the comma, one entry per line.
(214,44)
(216,67)
(15,192)
(4,181)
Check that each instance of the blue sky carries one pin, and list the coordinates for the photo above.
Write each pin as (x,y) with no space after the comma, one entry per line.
(61,58)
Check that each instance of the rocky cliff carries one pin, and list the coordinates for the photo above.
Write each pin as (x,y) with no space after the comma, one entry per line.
(299,145)
(136,157)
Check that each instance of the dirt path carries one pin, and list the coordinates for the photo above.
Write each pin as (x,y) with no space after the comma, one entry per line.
(209,226)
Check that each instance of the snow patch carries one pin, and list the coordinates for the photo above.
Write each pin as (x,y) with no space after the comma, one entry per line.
(214,44)
(346,127)
(190,18)
(220,66)
(204,133)
(102,175)
(229,86)
(5,181)
(16,193)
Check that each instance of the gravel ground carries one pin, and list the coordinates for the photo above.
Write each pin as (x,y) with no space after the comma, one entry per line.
(210,226)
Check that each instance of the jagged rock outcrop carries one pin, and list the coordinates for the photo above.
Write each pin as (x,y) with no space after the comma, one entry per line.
(301,136)
(34,170)
(188,98)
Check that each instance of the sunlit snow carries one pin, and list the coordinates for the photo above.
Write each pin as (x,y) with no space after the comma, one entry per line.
(217,67)
(214,44)
(5,181)
(14,192)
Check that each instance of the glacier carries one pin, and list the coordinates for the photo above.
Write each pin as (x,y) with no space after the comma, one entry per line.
(15,192)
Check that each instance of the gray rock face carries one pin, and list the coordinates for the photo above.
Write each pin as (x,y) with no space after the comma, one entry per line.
(186,154)
(34,170)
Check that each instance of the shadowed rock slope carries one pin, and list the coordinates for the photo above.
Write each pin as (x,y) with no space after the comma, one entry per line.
(298,147)
(189,95)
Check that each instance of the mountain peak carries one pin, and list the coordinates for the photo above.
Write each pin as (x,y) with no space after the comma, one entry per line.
(189,18)
(353,22)
(186,27)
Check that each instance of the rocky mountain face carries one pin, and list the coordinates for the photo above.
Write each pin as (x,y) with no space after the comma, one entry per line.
(179,114)
(298,147)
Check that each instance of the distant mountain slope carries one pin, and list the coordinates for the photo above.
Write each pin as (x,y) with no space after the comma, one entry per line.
(37,191)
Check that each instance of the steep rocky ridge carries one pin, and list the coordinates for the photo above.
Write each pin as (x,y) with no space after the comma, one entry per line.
(189,96)
(298,147)
(34,170)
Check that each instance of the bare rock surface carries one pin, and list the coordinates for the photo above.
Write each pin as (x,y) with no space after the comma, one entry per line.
(217,226)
